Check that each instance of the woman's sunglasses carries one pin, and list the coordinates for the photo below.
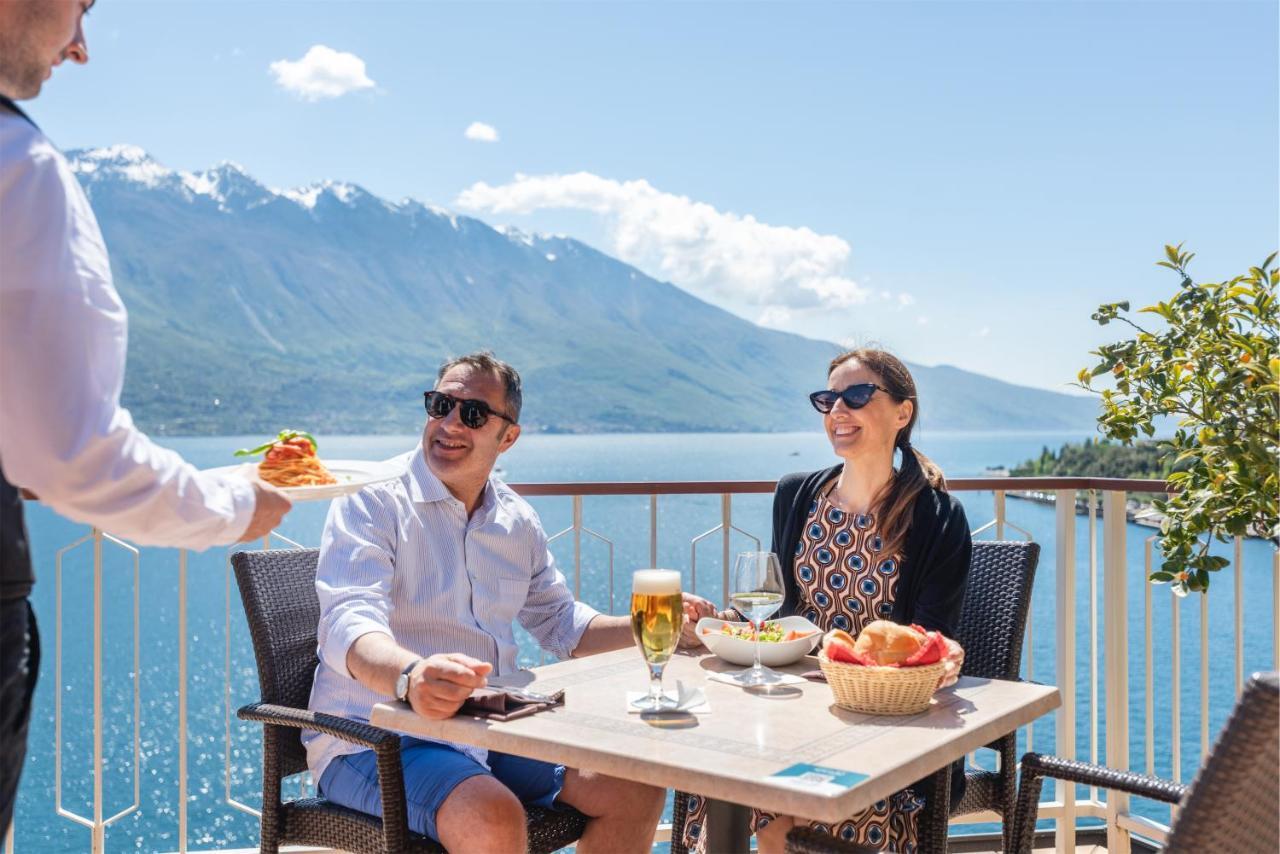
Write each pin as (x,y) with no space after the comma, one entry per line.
(472,413)
(854,397)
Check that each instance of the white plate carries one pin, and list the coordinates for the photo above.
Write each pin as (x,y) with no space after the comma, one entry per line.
(738,651)
(352,475)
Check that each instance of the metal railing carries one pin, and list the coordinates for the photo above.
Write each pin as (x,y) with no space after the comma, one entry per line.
(1101,658)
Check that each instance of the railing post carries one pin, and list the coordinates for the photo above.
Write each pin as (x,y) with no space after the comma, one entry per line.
(98,843)
(726,520)
(577,547)
(653,530)
(1116,634)
(182,701)
(1065,636)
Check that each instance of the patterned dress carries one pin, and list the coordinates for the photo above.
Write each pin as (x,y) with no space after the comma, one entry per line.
(845,582)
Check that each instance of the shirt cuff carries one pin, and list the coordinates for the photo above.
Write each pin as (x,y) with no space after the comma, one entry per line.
(243,503)
(571,631)
(350,628)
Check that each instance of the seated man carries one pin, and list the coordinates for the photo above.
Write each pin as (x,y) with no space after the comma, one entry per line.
(422,577)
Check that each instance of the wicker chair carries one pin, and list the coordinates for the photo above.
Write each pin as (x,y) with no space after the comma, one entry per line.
(279,595)
(1231,804)
(991,630)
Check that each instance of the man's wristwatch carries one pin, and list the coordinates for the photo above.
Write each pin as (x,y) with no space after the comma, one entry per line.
(402,682)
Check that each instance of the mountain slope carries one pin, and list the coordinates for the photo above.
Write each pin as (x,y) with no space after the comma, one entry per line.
(330,308)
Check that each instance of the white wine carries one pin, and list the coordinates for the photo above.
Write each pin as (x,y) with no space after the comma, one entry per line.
(657,613)
(757,606)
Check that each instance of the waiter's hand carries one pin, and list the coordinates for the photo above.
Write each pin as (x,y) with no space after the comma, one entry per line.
(439,686)
(269,507)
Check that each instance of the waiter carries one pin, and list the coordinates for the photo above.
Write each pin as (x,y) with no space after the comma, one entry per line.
(63,333)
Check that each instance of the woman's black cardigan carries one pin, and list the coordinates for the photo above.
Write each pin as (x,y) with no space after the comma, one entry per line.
(934,569)
(935,562)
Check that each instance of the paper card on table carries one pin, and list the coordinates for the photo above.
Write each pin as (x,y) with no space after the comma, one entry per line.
(816,779)
(734,678)
(689,701)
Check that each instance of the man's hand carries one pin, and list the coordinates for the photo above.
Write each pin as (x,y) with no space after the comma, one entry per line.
(269,507)
(439,685)
(695,608)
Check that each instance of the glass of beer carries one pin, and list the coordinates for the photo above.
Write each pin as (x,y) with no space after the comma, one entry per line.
(657,614)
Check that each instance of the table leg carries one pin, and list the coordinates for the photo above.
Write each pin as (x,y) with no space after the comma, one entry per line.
(729,828)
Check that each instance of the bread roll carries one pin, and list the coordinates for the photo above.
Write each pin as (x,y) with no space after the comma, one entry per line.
(888,643)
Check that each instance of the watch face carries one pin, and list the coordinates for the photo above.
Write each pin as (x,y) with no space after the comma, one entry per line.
(402,686)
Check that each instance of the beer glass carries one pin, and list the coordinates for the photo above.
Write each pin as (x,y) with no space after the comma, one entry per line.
(657,614)
(757,594)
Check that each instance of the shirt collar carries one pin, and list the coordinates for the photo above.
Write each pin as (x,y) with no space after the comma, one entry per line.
(425,487)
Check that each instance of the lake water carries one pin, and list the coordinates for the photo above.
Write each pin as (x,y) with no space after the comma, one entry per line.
(623,521)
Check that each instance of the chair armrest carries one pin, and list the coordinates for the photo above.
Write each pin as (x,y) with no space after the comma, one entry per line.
(1036,766)
(806,840)
(356,732)
(1057,768)
(384,743)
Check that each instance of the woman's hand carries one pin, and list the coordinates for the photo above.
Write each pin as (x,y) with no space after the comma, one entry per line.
(695,608)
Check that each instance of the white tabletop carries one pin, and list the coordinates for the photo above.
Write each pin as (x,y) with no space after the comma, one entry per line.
(733,752)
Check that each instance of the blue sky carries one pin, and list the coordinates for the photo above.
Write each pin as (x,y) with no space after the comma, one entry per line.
(963,182)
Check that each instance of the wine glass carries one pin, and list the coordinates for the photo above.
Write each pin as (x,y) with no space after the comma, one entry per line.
(757,594)
(657,615)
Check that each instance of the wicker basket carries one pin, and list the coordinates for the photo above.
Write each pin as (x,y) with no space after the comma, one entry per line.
(881,690)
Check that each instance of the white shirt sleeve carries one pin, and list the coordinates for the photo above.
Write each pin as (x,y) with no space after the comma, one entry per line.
(550,613)
(63,337)
(354,576)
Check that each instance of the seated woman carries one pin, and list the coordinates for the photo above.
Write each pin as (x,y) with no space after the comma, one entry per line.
(861,541)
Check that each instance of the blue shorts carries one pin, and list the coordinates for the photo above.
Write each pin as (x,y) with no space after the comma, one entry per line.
(431,772)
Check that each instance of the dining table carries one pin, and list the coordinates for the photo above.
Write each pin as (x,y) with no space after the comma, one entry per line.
(788,748)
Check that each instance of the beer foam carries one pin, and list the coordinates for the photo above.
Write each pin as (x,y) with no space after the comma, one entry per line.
(655,582)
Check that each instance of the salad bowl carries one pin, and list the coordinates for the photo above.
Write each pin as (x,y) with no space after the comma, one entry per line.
(731,641)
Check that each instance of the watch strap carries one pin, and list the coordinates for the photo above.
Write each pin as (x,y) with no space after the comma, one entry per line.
(404,697)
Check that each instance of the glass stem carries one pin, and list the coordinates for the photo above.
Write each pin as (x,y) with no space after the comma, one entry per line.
(655,685)
(756,666)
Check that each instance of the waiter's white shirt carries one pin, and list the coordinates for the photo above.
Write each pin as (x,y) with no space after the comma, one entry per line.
(63,336)
(403,558)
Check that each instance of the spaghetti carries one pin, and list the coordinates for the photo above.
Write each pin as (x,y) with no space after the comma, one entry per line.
(290,461)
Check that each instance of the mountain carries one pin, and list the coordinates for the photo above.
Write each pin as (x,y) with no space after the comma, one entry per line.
(328,308)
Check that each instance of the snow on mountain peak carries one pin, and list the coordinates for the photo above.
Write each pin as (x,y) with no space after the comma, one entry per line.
(228,184)
(128,160)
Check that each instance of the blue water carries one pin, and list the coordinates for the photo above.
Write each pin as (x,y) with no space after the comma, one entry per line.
(624,521)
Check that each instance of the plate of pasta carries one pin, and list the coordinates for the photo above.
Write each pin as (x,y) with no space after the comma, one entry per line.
(291,463)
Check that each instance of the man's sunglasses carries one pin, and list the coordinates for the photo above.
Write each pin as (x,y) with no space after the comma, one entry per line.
(472,413)
(854,397)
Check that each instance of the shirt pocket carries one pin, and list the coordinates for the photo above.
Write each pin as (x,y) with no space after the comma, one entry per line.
(510,592)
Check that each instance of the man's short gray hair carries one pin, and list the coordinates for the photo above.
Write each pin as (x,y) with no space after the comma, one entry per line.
(484,360)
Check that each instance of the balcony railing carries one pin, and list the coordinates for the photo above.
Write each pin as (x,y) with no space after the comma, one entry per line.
(1138,687)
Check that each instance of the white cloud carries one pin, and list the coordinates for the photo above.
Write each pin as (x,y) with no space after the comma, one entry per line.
(481,132)
(923,321)
(774,316)
(322,73)
(983,332)
(905,300)
(715,254)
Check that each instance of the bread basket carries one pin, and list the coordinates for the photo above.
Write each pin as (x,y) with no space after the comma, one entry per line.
(881,690)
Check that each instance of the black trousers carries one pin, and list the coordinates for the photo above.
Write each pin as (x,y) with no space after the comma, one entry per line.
(19,665)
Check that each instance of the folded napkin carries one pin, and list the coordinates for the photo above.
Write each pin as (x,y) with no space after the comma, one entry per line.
(507,704)
(734,677)
(689,701)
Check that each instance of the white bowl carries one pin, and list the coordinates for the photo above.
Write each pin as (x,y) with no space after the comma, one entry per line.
(738,651)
